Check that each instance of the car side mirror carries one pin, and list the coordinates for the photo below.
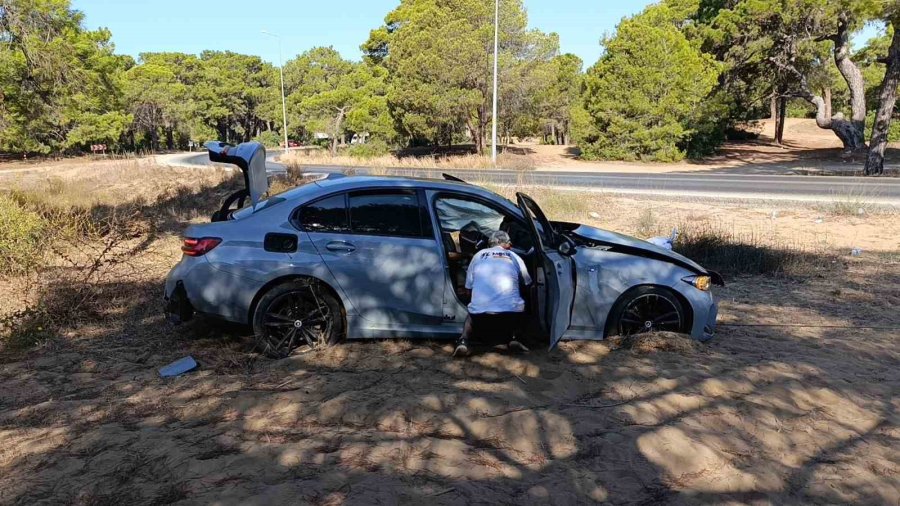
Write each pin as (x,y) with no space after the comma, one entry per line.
(566,248)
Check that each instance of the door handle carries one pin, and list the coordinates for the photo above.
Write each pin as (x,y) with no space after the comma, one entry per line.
(342,246)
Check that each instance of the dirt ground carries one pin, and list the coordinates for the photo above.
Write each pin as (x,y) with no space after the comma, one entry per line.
(802,412)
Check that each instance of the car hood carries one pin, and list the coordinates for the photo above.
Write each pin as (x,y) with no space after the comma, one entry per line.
(250,157)
(596,237)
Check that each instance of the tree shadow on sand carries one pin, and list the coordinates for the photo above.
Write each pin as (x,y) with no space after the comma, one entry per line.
(754,415)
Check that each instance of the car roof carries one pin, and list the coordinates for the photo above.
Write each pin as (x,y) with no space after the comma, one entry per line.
(349,182)
(346,183)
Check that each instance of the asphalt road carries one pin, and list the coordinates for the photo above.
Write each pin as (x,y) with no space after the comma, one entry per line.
(884,190)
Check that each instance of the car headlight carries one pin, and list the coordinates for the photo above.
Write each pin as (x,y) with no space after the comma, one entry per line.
(699,282)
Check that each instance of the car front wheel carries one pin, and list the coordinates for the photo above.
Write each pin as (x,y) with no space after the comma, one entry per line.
(296,313)
(647,309)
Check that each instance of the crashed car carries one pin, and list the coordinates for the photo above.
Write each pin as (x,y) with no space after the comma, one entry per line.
(350,257)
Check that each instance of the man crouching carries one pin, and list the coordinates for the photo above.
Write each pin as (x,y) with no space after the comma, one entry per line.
(497,305)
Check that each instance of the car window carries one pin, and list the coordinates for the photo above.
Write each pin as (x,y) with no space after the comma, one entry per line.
(326,215)
(469,221)
(454,214)
(385,212)
(250,208)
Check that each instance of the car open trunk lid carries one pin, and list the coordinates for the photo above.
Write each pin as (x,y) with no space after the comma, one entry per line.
(250,157)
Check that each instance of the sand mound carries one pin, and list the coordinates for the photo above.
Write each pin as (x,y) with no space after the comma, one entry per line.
(656,341)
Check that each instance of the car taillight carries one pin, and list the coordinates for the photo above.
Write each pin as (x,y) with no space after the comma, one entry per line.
(194,247)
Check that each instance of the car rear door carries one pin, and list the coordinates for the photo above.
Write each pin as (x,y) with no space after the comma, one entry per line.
(380,247)
(558,270)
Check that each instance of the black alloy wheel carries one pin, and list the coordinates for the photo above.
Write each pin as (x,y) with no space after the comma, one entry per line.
(648,309)
(294,314)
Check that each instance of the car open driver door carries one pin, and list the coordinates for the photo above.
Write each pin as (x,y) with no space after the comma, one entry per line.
(553,254)
(250,157)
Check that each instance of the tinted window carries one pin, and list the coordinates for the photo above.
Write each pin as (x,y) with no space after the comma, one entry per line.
(385,213)
(326,215)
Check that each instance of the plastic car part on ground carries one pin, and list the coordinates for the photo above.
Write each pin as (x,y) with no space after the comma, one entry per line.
(178,367)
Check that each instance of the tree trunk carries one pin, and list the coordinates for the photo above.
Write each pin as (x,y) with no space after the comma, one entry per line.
(773,107)
(782,117)
(826,93)
(887,98)
(336,129)
(852,132)
(482,134)
(477,132)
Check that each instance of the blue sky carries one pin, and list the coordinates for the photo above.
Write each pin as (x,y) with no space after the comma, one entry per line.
(194,25)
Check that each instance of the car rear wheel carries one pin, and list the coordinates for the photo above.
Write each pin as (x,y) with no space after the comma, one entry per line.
(647,309)
(297,313)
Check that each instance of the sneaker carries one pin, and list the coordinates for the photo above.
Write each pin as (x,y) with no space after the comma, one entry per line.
(461,350)
(517,346)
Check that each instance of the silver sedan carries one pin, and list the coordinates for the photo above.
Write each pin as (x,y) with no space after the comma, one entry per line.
(375,257)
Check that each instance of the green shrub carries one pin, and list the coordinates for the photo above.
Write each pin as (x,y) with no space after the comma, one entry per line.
(649,93)
(371,149)
(893,131)
(22,237)
(269,139)
(798,108)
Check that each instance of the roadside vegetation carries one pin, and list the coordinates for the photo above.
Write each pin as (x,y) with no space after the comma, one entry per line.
(675,80)
(70,250)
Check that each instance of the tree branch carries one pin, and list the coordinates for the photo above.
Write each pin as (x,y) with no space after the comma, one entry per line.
(805,92)
(834,37)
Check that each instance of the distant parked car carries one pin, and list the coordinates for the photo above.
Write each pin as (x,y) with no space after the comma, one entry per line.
(364,257)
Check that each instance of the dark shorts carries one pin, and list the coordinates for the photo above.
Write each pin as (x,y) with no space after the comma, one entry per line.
(496,328)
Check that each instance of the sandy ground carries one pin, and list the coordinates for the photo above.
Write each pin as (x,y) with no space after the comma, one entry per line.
(802,412)
(807,149)
(759,415)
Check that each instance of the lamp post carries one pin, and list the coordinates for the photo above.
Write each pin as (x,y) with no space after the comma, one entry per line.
(494,116)
(283,101)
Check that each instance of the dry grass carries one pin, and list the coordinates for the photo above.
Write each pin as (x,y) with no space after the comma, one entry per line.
(99,228)
(509,161)
(738,253)
(854,201)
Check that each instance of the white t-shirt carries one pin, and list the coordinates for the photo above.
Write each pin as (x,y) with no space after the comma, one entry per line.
(493,277)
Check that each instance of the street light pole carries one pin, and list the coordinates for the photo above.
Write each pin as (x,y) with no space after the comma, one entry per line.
(283,100)
(494,117)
